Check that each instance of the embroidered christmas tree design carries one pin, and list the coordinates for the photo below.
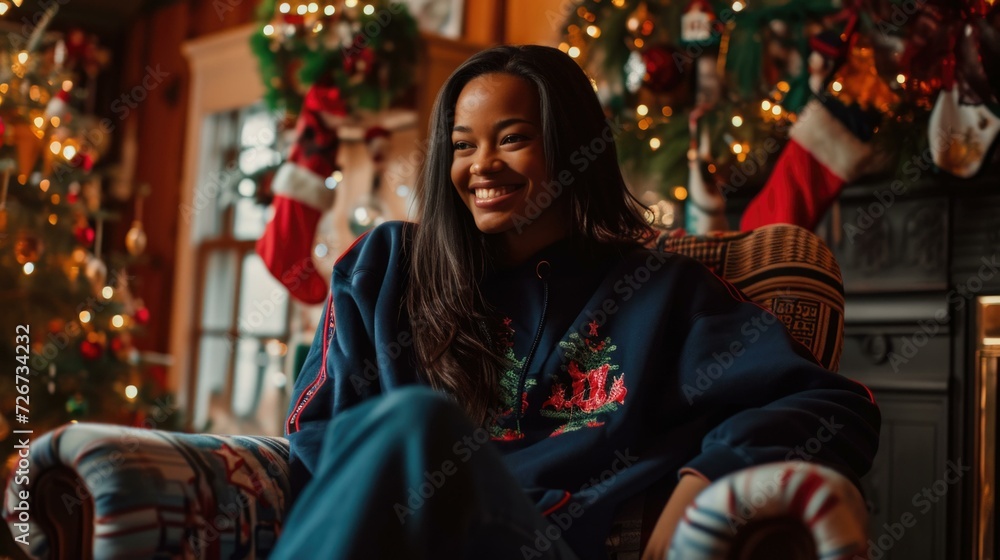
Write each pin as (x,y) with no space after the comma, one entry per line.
(508,390)
(592,390)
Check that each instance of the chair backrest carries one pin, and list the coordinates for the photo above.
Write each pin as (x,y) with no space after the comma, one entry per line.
(784,268)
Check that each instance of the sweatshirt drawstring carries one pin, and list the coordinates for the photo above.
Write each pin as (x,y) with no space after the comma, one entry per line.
(542,271)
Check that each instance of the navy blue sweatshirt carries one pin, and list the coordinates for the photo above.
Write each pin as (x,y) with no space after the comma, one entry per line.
(628,366)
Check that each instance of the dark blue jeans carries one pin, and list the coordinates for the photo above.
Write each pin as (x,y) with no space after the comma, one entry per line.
(402,476)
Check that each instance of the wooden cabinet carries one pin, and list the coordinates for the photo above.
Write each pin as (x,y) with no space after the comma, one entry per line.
(906,501)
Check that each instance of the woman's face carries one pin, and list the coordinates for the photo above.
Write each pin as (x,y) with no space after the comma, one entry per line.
(499,165)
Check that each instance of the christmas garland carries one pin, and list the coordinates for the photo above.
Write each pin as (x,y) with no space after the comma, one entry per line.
(654,62)
(365,50)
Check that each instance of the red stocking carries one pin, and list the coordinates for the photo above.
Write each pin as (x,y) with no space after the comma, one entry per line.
(822,155)
(301,196)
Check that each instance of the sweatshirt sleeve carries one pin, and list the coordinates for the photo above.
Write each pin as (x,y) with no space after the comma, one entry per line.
(343,367)
(769,400)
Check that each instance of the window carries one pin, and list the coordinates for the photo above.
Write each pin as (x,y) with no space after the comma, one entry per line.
(239,352)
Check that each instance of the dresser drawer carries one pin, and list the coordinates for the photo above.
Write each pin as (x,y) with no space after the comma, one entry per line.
(898,342)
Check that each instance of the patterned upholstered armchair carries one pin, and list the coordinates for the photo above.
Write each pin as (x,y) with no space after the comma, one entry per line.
(101,491)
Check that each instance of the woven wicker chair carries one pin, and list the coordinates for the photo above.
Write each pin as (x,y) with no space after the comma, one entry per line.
(104,492)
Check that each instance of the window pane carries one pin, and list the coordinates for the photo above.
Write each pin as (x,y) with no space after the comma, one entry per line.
(220,287)
(249,220)
(259,127)
(263,301)
(251,364)
(256,159)
(213,362)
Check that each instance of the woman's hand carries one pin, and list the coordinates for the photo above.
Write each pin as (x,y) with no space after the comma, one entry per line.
(687,489)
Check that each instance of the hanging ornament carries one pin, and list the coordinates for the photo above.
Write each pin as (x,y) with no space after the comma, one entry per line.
(117,345)
(858,82)
(90,350)
(73,192)
(77,406)
(58,106)
(96,272)
(135,239)
(84,233)
(142,315)
(698,24)
(28,248)
(960,135)
(84,160)
(662,73)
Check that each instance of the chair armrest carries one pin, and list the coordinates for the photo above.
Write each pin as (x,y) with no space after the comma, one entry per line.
(780,511)
(103,491)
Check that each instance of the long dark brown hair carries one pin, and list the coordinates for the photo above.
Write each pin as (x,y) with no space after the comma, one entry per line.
(450,256)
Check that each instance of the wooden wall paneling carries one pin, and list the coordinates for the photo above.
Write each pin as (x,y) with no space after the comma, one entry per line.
(485,22)
(536,21)
(160,141)
(440,58)
(210,16)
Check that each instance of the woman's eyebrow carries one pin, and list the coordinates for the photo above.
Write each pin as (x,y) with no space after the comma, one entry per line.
(496,126)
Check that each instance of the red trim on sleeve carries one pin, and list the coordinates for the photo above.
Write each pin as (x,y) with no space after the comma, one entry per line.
(561,503)
(328,325)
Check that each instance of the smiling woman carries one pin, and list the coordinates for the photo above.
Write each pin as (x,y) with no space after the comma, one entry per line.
(499,164)
(507,299)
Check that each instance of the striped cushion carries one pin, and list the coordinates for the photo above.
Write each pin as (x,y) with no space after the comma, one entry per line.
(148,493)
(786,269)
(796,510)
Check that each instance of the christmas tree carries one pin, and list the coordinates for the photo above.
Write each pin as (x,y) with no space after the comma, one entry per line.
(69,315)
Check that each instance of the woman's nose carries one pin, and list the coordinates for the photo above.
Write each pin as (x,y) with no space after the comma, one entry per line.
(488,163)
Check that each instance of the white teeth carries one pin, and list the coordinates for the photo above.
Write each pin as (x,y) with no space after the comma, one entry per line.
(487,194)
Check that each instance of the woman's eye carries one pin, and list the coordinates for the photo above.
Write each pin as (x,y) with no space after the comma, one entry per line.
(461,145)
(512,138)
